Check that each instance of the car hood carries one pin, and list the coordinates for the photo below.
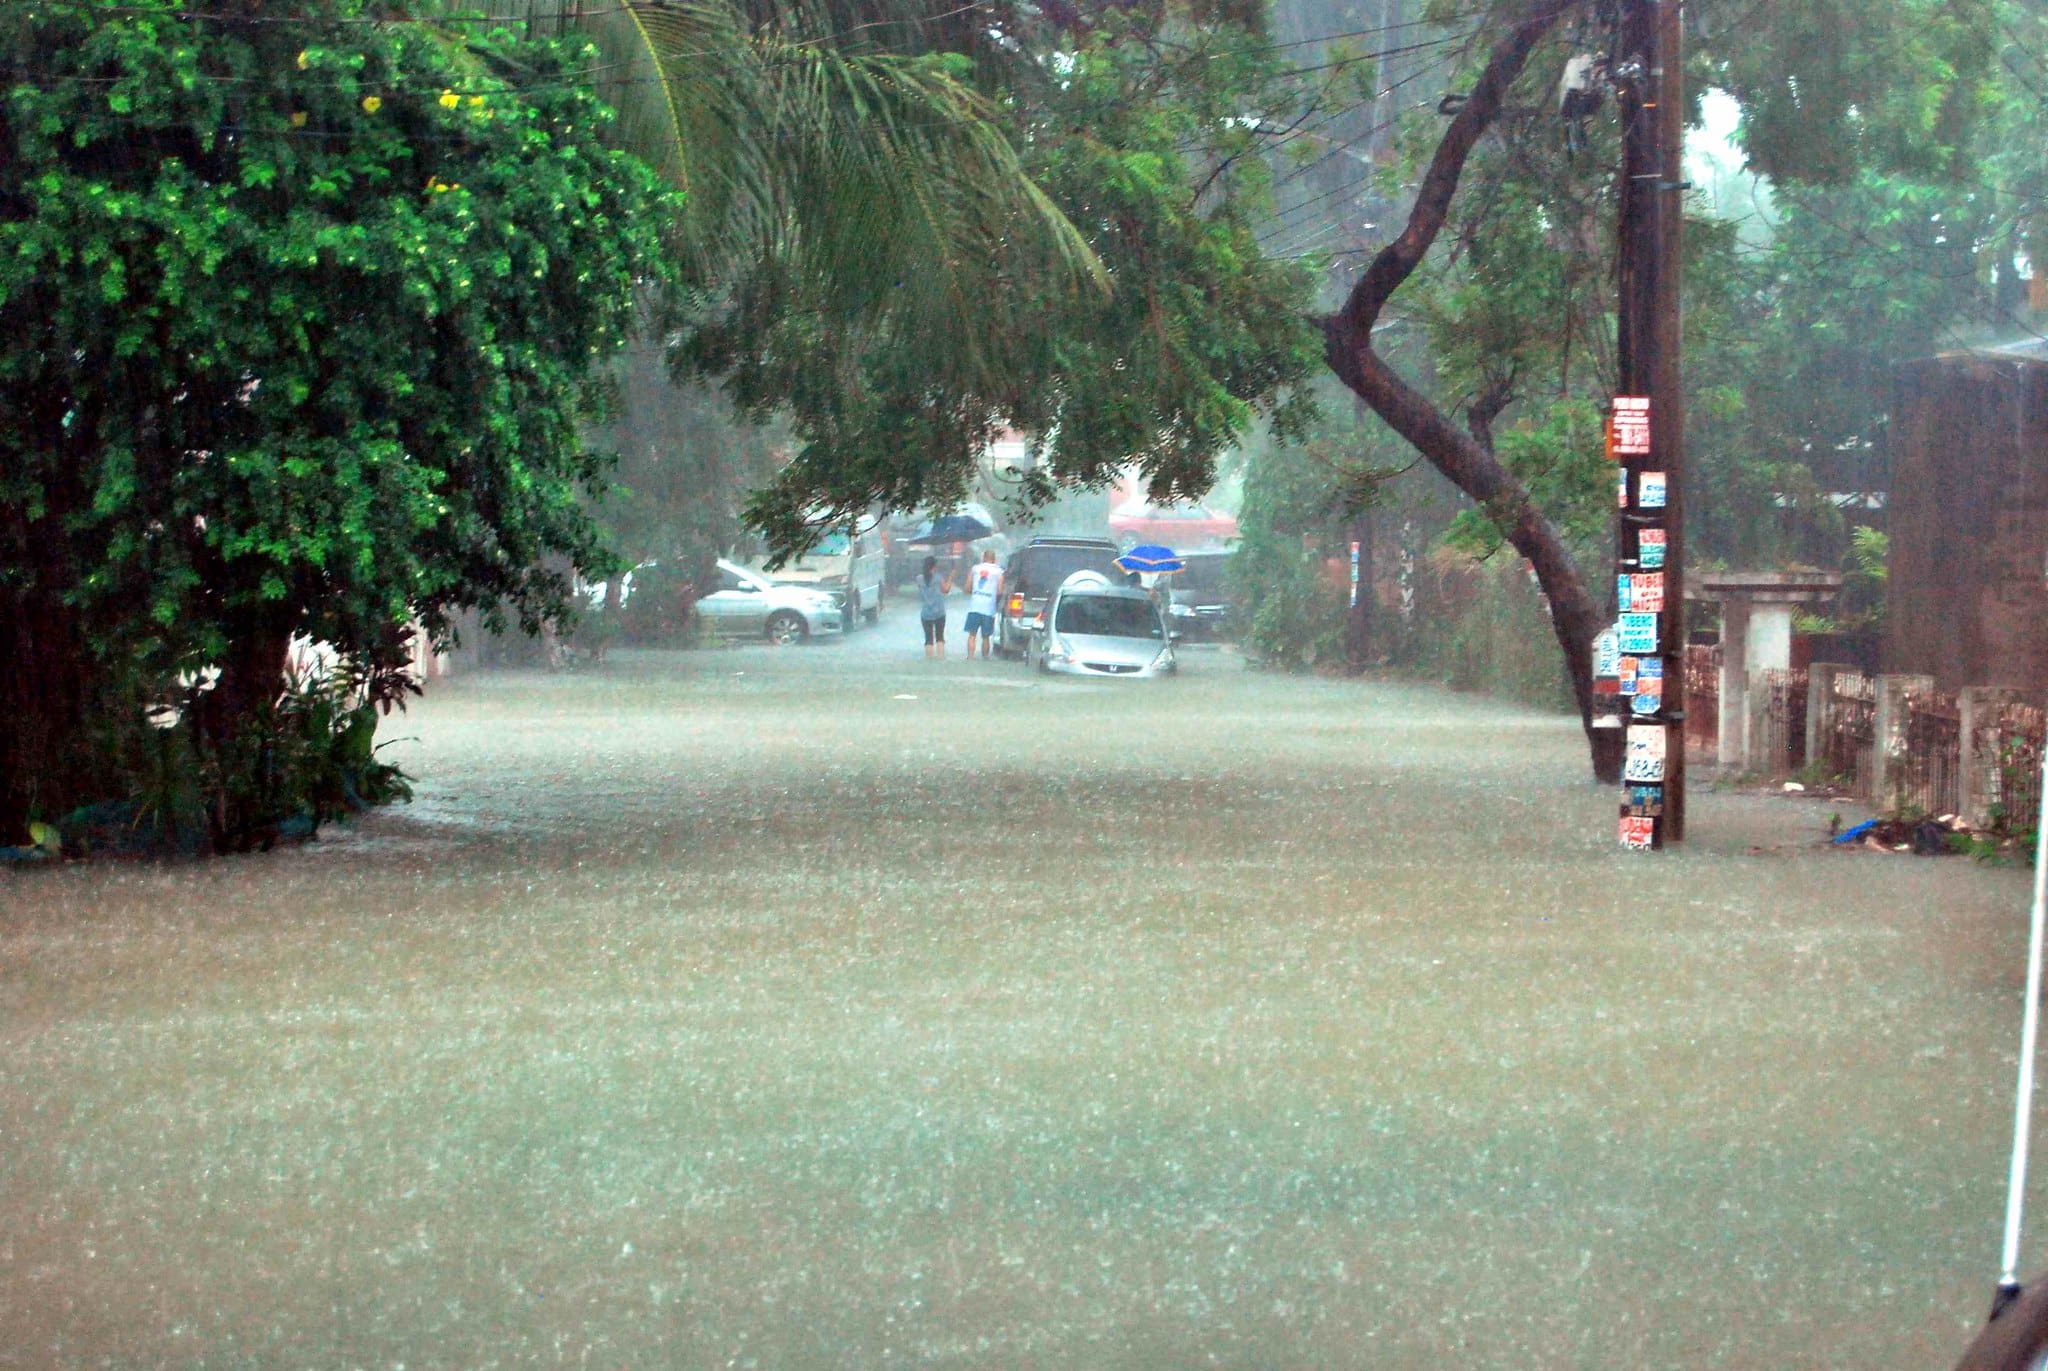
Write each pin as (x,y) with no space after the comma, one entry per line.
(797,597)
(1089,647)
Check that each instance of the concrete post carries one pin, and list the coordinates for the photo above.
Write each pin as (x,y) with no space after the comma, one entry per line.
(1888,736)
(1820,696)
(1732,744)
(1973,703)
(1758,747)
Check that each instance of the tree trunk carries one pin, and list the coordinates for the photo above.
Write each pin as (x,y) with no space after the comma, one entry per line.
(46,770)
(1576,616)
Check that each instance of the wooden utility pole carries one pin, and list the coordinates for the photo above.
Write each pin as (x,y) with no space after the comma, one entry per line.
(1648,428)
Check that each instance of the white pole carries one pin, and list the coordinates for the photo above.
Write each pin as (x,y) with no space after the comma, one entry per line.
(2023,1108)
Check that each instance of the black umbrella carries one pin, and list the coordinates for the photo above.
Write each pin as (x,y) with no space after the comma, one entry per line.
(951,528)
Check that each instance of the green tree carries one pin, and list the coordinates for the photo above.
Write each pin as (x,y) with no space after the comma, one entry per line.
(1825,90)
(297,318)
(1130,128)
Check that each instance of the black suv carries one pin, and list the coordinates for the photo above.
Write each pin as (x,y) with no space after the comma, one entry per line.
(1035,571)
(1202,596)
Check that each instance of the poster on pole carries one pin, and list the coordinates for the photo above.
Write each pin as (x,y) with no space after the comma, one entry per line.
(1649,692)
(1645,591)
(1606,653)
(1643,761)
(1354,575)
(1650,490)
(1631,425)
(1638,832)
(1650,546)
(1638,634)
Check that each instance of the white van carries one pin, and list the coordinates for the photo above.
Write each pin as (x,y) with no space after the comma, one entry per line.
(846,565)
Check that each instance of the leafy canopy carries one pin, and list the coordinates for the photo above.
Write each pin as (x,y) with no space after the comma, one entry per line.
(297,320)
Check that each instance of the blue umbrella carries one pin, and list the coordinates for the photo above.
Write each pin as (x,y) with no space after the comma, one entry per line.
(1151,557)
(952,528)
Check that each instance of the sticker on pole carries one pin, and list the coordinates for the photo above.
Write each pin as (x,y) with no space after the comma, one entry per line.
(1643,802)
(1643,761)
(1649,694)
(1650,490)
(1638,634)
(1638,833)
(1631,425)
(1650,548)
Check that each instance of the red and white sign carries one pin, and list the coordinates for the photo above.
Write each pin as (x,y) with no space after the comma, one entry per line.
(1646,592)
(1637,831)
(1631,425)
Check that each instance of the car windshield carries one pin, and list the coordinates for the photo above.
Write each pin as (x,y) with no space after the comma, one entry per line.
(1046,567)
(1201,574)
(1107,616)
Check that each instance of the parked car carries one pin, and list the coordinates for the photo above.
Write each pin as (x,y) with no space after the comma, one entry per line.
(1034,572)
(846,565)
(1201,607)
(1190,524)
(1094,628)
(749,605)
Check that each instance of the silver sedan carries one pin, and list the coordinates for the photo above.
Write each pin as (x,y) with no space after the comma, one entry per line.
(749,605)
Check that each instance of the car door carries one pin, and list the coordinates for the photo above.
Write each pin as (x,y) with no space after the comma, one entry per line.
(737,609)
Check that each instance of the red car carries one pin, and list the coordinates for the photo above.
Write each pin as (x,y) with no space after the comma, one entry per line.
(1183,527)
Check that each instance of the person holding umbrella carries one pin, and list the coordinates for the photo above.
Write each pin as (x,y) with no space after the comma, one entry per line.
(931,607)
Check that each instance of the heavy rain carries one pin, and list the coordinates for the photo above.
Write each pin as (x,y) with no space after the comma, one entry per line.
(829,1006)
(891,684)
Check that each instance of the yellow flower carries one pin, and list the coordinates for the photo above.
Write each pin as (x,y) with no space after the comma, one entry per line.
(298,118)
(449,99)
(476,102)
(372,103)
(303,63)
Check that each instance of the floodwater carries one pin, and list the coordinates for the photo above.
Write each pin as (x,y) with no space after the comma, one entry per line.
(826,1007)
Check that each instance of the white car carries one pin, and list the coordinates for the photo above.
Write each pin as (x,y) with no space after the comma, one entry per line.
(749,605)
(1090,627)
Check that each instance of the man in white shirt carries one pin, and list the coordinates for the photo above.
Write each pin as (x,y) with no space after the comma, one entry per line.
(984,590)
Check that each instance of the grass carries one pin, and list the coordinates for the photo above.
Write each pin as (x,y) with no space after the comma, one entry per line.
(727,1010)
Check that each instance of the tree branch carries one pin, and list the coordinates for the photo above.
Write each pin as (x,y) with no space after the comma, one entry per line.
(1398,260)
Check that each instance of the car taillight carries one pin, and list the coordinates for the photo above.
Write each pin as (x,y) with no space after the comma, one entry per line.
(1016,604)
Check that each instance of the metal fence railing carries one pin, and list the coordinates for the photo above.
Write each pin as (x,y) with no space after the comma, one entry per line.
(1782,694)
(1929,769)
(1703,701)
(1849,731)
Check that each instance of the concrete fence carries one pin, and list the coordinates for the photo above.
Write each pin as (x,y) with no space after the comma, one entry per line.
(1893,740)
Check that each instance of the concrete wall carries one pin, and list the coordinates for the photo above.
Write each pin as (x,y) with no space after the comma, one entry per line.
(1968,509)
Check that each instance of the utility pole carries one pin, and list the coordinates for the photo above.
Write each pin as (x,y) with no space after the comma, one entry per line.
(1647,429)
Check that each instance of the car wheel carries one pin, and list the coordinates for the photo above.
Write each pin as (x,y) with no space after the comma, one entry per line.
(786,627)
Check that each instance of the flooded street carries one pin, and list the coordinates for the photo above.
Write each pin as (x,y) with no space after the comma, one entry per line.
(829,1007)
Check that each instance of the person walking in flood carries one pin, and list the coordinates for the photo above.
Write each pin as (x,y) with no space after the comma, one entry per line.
(931,607)
(984,589)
